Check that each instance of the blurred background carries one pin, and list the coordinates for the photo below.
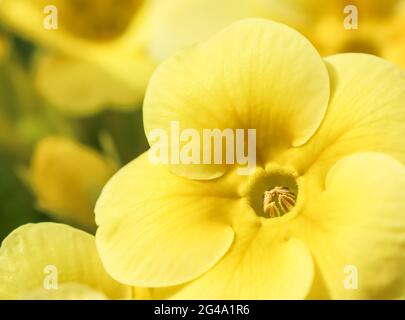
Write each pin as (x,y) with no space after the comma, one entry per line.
(73,74)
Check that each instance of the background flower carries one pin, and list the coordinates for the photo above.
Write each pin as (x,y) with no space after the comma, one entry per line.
(104,34)
(54,173)
(378,29)
(27,252)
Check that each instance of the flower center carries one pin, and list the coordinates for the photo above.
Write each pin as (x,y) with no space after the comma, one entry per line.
(278,201)
(272,193)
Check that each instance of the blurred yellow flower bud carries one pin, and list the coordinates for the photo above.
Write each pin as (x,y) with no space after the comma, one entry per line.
(77,87)
(67,178)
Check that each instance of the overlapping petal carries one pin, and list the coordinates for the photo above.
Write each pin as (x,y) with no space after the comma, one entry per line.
(355,229)
(173,230)
(366,113)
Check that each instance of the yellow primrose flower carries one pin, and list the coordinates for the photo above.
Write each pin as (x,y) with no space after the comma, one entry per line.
(326,195)
(54,261)
(67,178)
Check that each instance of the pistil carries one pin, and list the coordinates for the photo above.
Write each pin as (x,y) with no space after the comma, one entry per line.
(278,201)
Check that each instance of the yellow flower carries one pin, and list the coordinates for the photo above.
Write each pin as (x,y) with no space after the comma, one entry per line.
(67,178)
(328,132)
(54,261)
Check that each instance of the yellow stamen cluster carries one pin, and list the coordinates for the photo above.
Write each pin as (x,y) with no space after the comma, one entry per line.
(278,201)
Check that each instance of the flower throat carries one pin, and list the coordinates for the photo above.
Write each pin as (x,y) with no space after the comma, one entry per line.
(278,201)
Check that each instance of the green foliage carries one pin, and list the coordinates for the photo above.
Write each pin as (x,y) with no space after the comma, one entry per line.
(16,202)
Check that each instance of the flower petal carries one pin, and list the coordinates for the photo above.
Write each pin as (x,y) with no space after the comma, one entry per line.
(356,227)
(258,267)
(32,252)
(366,113)
(157,229)
(256,74)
